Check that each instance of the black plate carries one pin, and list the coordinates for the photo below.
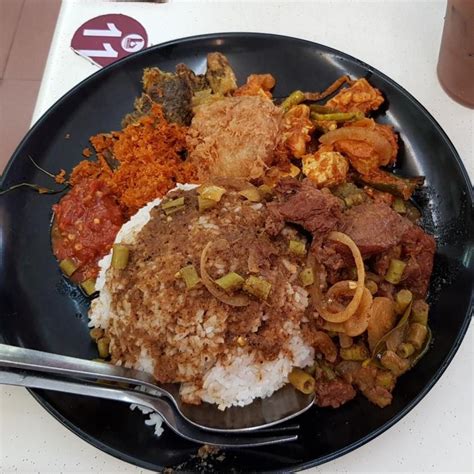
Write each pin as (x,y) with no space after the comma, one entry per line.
(39,310)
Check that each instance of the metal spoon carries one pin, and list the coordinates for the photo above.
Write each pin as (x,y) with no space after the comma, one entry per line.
(160,406)
(283,405)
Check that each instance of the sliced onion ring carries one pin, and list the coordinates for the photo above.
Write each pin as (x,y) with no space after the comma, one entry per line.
(315,290)
(221,295)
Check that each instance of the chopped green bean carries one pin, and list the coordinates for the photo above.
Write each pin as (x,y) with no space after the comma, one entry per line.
(67,266)
(399,206)
(173,210)
(307,277)
(395,271)
(178,202)
(258,287)
(417,334)
(120,254)
(103,345)
(302,381)
(337,116)
(321,109)
(231,281)
(402,299)
(190,276)
(354,352)
(297,247)
(419,312)
(88,286)
(394,363)
(405,350)
(293,99)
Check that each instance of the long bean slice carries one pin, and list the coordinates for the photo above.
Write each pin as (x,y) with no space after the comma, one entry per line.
(302,381)
(120,254)
(402,299)
(231,281)
(405,349)
(307,277)
(178,202)
(419,312)
(257,287)
(190,276)
(103,345)
(337,116)
(297,247)
(395,271)
(88,286)
(417,334)
(394,363)
(354,352)
(67,266)
(295,98)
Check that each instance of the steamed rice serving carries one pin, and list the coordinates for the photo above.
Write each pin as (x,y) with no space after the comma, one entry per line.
(220,353)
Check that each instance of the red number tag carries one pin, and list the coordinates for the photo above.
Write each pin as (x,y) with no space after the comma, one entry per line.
(106,38)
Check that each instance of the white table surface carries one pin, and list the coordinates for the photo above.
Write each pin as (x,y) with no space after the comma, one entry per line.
(401,38)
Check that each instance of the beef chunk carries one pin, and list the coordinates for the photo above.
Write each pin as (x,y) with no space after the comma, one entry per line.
(374,227)
(317,211)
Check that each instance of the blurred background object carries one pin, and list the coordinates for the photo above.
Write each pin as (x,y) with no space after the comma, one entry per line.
(26,30)
(456,56)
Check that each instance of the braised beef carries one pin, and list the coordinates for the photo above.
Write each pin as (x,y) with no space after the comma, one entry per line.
(333,393)
(317,211)
(374,227)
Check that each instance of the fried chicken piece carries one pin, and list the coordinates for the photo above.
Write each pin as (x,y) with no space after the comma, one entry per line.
(257,84)
(297,128)
(235,137)
(220,75)
(359,97)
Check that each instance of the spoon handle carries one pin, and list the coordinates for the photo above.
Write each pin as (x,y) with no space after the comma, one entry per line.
(29,359)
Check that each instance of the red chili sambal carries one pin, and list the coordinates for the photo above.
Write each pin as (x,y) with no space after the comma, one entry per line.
(86,221)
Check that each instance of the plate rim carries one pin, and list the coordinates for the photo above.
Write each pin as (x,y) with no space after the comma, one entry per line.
(37,394)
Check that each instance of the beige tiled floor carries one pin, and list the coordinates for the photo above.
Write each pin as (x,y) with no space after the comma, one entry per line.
(26,29)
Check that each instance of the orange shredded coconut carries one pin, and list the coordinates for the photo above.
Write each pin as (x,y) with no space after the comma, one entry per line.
(149,154)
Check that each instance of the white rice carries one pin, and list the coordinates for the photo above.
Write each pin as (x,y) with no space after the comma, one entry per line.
(242,378)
